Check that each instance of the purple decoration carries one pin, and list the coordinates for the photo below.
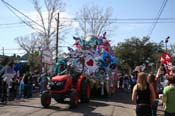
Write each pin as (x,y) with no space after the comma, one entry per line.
(70,49)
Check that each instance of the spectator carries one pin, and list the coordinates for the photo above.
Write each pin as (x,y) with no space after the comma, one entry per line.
(121,81)
(126,81)
(1,79)
(169,96)
(143,95)
(25,85)
(30,84)
(11,89)
(152,79)
(21,87)
(43,82)
(162,80)
(9,71)
(133,79)
(4,90)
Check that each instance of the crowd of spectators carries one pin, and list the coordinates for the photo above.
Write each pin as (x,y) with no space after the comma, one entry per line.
(14,85)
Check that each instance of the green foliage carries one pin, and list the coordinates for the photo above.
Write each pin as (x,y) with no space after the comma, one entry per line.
(135,51)
(34,61)
(5,60)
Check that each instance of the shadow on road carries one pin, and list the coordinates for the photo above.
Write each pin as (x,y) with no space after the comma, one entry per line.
(85,109)
(120,96)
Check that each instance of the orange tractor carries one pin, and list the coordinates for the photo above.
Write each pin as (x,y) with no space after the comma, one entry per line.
(67,83)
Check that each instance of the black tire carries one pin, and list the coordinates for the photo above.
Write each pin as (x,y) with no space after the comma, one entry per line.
(45,99)
(74,99)
(85,91)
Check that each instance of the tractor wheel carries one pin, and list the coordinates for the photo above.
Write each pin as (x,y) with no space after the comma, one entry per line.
(74,99)
(85,91)
(45,99)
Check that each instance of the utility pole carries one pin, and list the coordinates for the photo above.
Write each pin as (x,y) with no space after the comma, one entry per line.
(166,41)
(57,37)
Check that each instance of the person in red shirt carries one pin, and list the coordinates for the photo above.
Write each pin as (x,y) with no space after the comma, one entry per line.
(152,79)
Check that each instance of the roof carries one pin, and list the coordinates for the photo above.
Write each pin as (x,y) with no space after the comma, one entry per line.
(24,57)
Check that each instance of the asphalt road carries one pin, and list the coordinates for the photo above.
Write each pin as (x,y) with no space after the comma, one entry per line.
(118,105)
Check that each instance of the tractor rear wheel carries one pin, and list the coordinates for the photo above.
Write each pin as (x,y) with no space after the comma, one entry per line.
(85,91)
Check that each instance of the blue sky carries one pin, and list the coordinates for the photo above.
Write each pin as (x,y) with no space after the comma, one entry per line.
(122,9)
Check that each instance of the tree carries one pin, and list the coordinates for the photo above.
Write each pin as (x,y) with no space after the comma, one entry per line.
(135,51)
(172,48)
(31,45)
(52,7)
(93,20)
(45,26)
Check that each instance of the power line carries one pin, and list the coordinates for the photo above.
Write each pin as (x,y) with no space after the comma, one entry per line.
(14,23)
(13,49)
(152,20)
(121,19)
(10,7)
(127,21)
(158,17)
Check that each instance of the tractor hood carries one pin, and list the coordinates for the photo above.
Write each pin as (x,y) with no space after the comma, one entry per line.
(60,77)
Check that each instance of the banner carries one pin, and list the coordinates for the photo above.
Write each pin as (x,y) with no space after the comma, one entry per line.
(47,56)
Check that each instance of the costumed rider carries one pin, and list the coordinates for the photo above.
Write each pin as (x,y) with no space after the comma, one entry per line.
(60,67)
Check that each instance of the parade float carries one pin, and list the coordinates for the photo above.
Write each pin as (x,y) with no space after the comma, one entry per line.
(88,68)
(100,63)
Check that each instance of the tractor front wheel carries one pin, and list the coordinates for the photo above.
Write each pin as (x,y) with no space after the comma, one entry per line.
(45,99)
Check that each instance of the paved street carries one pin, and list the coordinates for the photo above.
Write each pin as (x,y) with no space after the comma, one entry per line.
(118,105)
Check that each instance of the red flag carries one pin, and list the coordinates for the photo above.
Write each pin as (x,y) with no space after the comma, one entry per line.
(162,60)
(166,59)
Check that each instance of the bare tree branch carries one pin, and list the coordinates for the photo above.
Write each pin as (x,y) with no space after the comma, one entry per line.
(45,19)
(28,43)
(93,20)
(38,9)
